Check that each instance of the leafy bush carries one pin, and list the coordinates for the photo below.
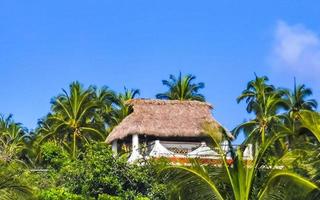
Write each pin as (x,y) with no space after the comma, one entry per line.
(13,182)
(108,197)
(96,174)
(53,155)
(59,194)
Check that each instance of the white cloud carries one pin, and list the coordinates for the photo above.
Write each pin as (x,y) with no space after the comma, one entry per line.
(296,49)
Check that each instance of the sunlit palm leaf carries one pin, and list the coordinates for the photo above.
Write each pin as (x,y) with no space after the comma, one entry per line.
(311,121)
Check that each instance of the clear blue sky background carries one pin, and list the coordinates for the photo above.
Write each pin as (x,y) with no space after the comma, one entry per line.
(44,45)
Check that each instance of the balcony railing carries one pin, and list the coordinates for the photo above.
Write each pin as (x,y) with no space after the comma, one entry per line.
(173,149)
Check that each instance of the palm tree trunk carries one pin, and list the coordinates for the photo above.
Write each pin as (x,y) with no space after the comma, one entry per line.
(263,135)
(74,143)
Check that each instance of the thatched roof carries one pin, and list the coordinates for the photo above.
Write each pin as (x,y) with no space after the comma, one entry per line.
(164,118)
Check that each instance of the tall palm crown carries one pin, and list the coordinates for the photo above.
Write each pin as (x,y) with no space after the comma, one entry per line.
(297,99)
(106,99)
(73,118)
(264,101)
(256,92)
(182,88)
(120,108)
(12,139)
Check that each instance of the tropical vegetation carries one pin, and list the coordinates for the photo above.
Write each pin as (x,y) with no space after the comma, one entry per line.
(182,88)
(65,156)
(279,169)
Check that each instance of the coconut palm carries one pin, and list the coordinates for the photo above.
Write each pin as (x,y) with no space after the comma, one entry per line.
(182,88)
(106,99)
(239,181)
(12,139)
(264,101)
(44,132)
(297,99)
(256,93)
(120,109)
(72,121)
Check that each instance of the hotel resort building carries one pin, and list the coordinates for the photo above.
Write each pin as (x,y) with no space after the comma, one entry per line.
(169,128)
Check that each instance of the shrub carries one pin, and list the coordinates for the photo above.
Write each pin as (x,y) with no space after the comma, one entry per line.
(59,194)
(108,197)
(53,155)
(100,173)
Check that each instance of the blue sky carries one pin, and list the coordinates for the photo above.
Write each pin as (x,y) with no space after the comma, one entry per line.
(44,45)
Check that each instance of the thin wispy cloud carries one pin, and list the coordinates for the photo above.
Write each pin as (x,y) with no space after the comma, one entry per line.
(297,49)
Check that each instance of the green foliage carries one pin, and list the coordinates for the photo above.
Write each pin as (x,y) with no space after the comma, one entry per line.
(182,88)
(73,121)
(96,174)
(297,99)
(311,121)
(52,155)
(100,173)
(68,163)
(265,101)
(277,171)
(59,194)
(108,197)
(82,115)
(13,184)
(120,109)
(13,139)
(198,181)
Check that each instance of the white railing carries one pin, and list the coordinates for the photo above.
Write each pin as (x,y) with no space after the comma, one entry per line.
(159,148)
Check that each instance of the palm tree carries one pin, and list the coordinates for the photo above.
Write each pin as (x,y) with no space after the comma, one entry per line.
(265,101)
(13,138)
(120,109)
(256,92)
(297,99)
(239,181)
(106,98)
(73,119)
(182,88)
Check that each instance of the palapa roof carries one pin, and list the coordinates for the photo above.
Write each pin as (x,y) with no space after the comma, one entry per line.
(164,118)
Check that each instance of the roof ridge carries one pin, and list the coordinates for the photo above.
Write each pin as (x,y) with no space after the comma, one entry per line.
(163,102)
